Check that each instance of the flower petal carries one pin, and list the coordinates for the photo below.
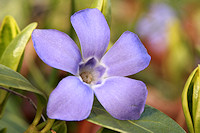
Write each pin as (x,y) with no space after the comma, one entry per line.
(122,97)
(127,56)
(71,100)
(57,49)
(93,32)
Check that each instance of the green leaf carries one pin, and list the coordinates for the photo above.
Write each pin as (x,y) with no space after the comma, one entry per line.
(13,79)
(191,101)
(105,130)
(151,121)
(195,95)
(3,100)
(13,119)
(12,123)
(8,31)
(97,4)
(197,117)
(187,100)
(4,130)
(13,53)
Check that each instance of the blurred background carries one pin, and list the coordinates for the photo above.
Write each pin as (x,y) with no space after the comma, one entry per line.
(170,30)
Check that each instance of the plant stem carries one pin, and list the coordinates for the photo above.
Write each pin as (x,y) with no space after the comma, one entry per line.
(48,126)
(24,97)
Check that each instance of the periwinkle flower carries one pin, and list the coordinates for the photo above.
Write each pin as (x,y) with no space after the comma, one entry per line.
(94,72)
(154,26)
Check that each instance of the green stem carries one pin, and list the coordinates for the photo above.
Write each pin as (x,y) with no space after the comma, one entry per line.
(48,126)
(38,115)
(41,125)
(20,95)
(39,109)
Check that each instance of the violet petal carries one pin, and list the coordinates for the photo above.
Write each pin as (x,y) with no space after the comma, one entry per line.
(122,97)
(127,56)
(57,49)
(93,32)
(71,100)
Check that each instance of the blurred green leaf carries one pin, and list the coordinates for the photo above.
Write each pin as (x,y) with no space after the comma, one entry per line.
(191,101)
(179,60)
(106,10)
(151,121)
(38,78)
(13,79)
(97,4)
(3,99)
(19,9)
(13,53)
(152,78)
(13,123)
(4,130)
(13,119)
(8,31)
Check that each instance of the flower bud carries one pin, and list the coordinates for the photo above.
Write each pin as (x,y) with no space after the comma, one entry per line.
(191,101)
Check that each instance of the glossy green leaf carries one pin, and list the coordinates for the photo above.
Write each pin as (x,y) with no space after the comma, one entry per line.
(8,31)
(11,56)
(13,79)
(151,121)
(13,53)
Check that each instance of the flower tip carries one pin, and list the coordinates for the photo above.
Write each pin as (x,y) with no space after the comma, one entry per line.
(85,11)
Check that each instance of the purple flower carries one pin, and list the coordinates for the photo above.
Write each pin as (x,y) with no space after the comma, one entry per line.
(95,73)
(154,26)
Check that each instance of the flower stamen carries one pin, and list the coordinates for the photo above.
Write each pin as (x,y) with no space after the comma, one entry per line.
(86,77)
